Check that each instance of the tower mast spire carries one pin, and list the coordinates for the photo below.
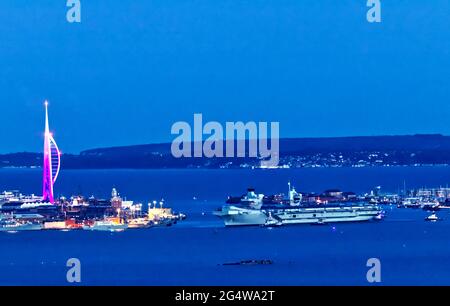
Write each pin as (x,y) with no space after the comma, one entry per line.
(47,127)
(52,161)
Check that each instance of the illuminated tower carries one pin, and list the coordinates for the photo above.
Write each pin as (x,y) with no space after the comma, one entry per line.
(52,162)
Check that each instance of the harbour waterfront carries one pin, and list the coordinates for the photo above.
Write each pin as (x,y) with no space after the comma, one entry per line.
(193,252)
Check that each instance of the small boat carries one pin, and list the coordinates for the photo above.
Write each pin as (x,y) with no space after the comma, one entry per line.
(271,221)
(139,223)
(378,217)
(432,218)
(111,225)
(15,226)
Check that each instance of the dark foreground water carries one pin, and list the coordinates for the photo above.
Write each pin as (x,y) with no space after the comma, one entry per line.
(411,251)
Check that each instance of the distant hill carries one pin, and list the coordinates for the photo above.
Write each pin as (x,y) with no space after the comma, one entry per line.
(295,152)
(366,143)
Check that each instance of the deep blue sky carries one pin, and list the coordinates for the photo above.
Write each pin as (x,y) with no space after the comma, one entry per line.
(132,68)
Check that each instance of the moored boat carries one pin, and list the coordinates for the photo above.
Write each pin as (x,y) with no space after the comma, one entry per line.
(14,226)
(432,218)
(139,223)
(109,224)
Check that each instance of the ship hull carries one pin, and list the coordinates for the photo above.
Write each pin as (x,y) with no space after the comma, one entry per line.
(106,228)
(245,220)
(235,216)
(326,215)
(26,227)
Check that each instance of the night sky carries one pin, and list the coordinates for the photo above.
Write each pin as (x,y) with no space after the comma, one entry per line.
(133,68)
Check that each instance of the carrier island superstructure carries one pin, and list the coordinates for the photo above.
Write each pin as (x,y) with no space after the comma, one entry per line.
(252,211)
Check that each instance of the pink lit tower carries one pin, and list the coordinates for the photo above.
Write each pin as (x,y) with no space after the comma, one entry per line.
(52,162)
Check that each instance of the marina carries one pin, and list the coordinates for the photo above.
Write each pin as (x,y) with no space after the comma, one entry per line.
(77,213)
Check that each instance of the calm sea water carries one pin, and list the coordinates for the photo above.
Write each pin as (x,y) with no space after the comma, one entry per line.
(411,251)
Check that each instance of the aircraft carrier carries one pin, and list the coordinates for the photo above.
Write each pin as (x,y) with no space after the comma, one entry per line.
(251,211)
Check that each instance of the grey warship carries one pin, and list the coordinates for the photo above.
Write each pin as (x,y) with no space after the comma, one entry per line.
(252,211)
